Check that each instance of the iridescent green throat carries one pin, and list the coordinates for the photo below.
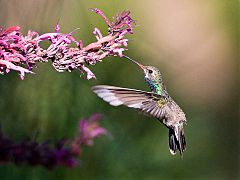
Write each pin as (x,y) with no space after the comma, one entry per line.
(155,87)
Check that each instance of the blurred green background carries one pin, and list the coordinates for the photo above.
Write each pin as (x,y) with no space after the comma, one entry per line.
(194,43)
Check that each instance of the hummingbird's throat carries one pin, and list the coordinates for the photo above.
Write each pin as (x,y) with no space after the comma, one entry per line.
(155,87)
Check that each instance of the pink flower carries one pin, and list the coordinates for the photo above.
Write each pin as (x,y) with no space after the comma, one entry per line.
(48,153)
(91,129)
(88,131)
(21,53)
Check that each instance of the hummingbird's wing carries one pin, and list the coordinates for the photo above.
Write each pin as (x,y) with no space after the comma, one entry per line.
(147,102)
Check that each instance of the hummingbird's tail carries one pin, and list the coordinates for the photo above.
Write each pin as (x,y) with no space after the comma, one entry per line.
(177,140)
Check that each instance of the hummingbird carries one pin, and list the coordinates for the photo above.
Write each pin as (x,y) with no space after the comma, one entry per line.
(157,103)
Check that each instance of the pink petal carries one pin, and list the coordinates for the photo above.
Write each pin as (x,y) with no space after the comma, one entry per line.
(97,33)
(90,75)
(98,11)
(11,29)
(98,132)
(119,51)
(57,28)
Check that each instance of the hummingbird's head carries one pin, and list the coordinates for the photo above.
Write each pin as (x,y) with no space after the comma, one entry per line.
(150,72)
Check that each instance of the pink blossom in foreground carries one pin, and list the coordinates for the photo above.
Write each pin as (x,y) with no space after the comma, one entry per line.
(51,154)
(88,131)
(21,53)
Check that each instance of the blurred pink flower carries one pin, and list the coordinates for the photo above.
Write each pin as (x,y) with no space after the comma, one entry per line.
(91,129)
(51,154)
(20,53)
(88,130)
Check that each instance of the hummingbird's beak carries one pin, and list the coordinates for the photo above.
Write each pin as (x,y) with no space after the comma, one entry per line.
(140,65)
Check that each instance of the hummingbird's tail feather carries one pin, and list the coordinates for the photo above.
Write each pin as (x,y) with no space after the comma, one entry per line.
(177,140)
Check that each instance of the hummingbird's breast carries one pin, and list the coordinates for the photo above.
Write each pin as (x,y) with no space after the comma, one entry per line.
(174,114)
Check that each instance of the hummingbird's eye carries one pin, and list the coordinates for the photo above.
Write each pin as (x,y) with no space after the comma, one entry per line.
(150,71)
